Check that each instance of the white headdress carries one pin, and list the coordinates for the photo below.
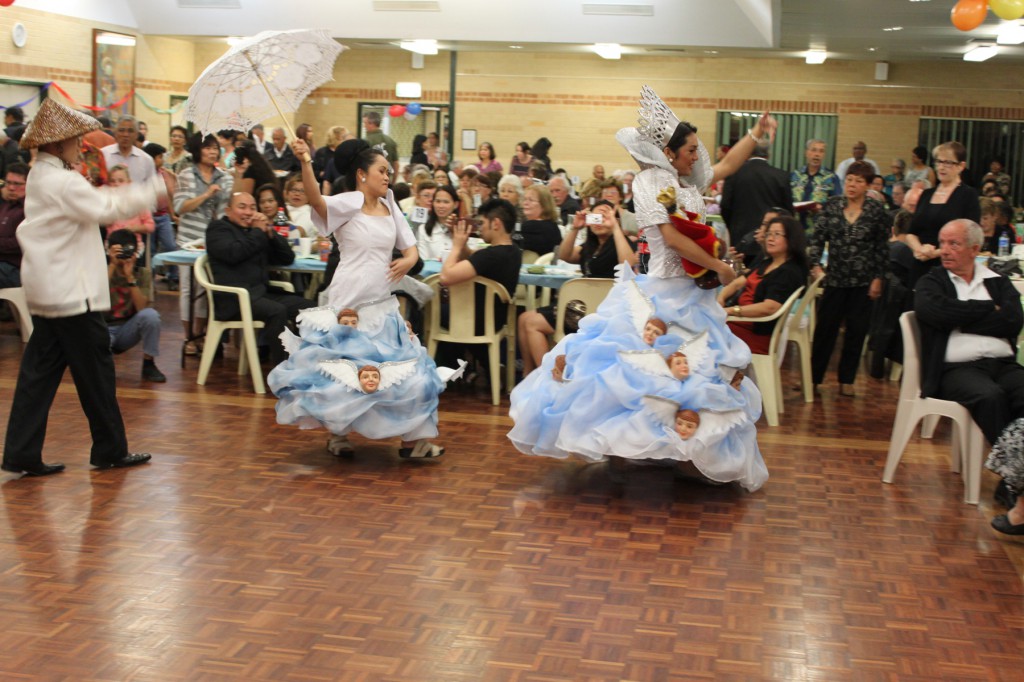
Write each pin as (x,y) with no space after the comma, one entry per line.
(655,128)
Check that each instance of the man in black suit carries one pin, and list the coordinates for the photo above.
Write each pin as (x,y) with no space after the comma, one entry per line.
(280,155)
(241,246)
(752,190)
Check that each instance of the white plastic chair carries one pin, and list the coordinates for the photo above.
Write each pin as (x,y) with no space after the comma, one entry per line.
(966,455)
(248,354)
(591,290)
(801,332)
(526,294)
(766,367)
(462,325)
(19,306)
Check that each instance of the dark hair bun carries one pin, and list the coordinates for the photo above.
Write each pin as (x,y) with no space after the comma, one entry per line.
(346,153)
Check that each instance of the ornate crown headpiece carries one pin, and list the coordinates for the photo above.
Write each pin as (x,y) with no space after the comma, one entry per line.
(657,123)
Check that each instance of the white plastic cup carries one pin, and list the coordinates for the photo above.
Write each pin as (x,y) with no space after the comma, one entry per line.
(305,247)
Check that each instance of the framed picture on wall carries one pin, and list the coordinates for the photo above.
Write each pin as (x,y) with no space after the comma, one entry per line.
(468,138)
(113,71)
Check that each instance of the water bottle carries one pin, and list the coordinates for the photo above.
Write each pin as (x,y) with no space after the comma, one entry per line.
(325,249)
(281,225)
(517,236)
(1004,245)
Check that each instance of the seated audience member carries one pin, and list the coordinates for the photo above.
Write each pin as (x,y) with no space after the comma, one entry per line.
(130,319)
(997,175)
(899,191)
(521,160)
(591,187)
(1007,460)
(138,225)
(991,229)
(885,342)
(467,190)
(899,171)
(901,256)
(241,246)
(970,318)
(627,179)
(441,177)
(268,199)
(251,169)
(566,203)
(280,155)
(434,237)
(540,228)
(611,191)
(423,197)
(1004,219)
(298,206)
(750,250)
(603,247)
(483,191)
(877,185)
(764,289)
(418,176)
(510,188)
(500,261)
(538,173)
(12,212)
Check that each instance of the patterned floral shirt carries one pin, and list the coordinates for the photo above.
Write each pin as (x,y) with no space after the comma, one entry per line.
(818,187)
(857,253)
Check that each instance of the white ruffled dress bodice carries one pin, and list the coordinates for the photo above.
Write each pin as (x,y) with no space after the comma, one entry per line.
(664,262)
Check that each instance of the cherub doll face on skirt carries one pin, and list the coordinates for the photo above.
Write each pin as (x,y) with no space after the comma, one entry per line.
(652,330)
(369,378)
(687,422)
(679,365)
(348,318)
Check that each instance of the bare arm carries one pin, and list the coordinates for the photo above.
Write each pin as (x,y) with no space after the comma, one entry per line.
(309,181)
(742,150)
(567,250)
(688,249)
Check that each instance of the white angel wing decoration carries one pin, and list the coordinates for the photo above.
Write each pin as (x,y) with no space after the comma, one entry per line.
(714,425)
(320,319)
(697,350)
(641,308)
(448,374)
(647,361)
(343,371)
(661,409)
(290,341)
(681,332)
(392,373)
(624,273)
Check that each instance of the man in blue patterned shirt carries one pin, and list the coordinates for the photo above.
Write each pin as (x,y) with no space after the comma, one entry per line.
(813,182)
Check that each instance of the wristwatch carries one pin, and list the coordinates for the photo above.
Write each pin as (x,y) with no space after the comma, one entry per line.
(131,284)
(736,311)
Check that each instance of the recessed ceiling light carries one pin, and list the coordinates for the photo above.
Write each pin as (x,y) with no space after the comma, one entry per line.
(515,47)
(710,51)
(608,50)
(872,49)
(981,53)
(1010,33)
(816,56)
(892,28)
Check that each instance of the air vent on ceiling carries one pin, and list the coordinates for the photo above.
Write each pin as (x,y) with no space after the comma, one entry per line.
(406,6)
(619,9)
(210,4)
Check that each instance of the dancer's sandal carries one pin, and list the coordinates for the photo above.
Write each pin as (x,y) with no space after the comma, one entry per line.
(339,446)
(423,449)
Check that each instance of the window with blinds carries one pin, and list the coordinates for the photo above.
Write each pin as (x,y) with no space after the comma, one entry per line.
(984,140)
(794,131)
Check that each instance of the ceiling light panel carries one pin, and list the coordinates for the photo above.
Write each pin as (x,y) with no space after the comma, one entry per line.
(406,6)
(618,9)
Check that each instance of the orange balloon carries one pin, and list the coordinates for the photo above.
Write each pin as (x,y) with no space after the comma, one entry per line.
(968,15)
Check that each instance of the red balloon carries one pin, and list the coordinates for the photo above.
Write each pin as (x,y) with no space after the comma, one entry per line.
(6,3)
(968,15)
(396,110)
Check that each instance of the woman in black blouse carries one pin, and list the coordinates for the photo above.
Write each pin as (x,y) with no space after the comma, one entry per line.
(949,200)
(605,247)
(770,284)
(856,229)
(540,228)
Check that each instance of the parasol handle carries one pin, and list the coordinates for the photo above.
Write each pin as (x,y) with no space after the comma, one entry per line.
(305,157)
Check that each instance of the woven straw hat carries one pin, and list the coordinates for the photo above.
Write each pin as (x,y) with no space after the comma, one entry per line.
(55,122)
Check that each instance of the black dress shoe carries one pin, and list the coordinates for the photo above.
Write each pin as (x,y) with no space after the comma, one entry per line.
(128,460)
(1004,496)
(41,470)
(1002,524)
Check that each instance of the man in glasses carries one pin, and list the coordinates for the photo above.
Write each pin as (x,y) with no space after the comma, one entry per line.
(12,212)
(140,164)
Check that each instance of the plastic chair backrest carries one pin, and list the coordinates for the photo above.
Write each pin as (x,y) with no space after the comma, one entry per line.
(530,257)
(462,310)
(781,312)
(910,384)
(807,300)
(543,259)
(591,290)
(204,275)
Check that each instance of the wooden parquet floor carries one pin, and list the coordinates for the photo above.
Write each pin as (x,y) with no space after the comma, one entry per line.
(246,552)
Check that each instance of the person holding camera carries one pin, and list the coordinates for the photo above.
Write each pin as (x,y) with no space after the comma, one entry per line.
(67,291)
(130,319)
(604,246)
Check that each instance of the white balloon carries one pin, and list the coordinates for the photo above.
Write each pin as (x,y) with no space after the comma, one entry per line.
(409,117)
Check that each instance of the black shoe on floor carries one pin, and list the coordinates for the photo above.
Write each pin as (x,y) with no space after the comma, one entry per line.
(150,372)
(129,460)
(1002,524)
(1004,496)
(41,470)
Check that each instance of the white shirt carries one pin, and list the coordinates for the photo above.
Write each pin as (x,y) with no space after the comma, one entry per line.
(140,164)
(967,347)
(64,264)
(845,166)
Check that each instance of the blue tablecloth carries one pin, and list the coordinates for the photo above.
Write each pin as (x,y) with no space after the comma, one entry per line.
(553,278)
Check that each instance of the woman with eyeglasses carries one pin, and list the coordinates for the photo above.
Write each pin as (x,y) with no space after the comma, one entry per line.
(856,229)
(765,288)
(950,199)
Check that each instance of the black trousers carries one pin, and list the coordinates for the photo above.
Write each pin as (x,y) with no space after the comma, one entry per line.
(275,310)
(992,390)
(82,343)
(838,305)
